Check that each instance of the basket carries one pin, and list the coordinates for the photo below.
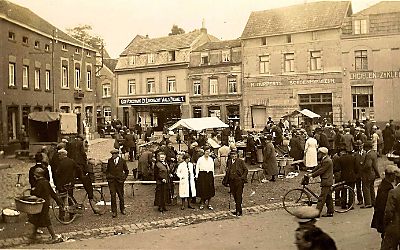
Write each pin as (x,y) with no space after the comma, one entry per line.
(10,218)
(29,204)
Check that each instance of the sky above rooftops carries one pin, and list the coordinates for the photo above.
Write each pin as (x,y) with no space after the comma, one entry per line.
(119,21)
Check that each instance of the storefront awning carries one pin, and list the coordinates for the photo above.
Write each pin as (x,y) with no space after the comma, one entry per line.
(199,123)
(304,112)
(44,116)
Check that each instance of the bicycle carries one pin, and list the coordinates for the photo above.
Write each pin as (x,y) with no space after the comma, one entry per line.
(343,197)
(67,213)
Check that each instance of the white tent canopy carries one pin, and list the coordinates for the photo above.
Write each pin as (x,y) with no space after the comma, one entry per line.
(199,123)
(309,113)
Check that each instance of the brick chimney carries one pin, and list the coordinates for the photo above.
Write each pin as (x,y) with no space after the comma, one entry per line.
(203,27)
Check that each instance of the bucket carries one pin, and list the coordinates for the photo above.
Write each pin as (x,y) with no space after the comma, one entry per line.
(10,218)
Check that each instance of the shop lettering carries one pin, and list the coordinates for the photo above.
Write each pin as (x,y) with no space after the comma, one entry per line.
(295,82)
(152,100)
(311,81)
(265,84)
(375,75)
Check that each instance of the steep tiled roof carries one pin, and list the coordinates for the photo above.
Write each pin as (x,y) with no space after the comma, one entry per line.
(110,63)
(164,43)
(219,45)
(297,18)
(380,8)
(27,17)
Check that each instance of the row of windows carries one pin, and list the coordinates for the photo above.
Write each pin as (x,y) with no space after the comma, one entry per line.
(77,78)
(25,77)
(25,41)
(225,57)
(213,86)
(288,38)
(151,58)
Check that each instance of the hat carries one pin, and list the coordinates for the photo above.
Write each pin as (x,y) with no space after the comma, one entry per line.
(63,151)
(358,143)
(306,214)
(390,169)
(38,157)
(387,125)
(233,151)
(269,137)
(64,140)
(347,129)
(340,129)
(194,144)
(323,150)
(114,151)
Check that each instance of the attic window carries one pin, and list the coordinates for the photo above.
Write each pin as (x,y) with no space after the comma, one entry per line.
(46,47)
(88,53)
(150,58)
(11,36)
(171,56)
(204,58)
(76,50)
(25,40)
(131,59)
(64,46)
(226,55)
(37,44)
(288,38)
(263,41)
(360,27)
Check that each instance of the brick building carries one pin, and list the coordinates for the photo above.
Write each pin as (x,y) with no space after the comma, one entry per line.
(215,81)
(371,63)
(41,68)
(152,78)
(292,60)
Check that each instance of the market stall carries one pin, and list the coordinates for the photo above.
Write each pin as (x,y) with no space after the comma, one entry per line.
(303,116)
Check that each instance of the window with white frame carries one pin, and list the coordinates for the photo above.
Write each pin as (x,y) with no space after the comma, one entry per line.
(213,86)
(89,79)
(264,64)
(47,80)
(25,76)
(131,59)
(226,55)
(361,60)
(64,78)
(107,114)
(204,58)
(151,85)
(171,83)
(360,27)
(232,85)
(107,90)
(11,74)
(77,78)
(131,87)
(88,53)
(172,55)
(150,58)
(196,88)
(289,62)
(37,78)
(315,60)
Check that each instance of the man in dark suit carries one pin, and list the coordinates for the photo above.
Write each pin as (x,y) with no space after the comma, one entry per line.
(348,139)
(346,164)
(325,171)
(360,158)
(251,148)
(369,173)
(130,144)
(391,218)
(116,171)
(236,176)
(38,159)
(76,152)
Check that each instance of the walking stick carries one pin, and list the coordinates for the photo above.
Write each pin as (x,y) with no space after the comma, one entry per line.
(230,194)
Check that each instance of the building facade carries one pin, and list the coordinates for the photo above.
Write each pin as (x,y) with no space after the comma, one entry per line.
(371,63)
(152,79)
(215,81)
(292,61)
(106,91)
(41,69)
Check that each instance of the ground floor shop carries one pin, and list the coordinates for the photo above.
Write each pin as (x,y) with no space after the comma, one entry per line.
(278,96)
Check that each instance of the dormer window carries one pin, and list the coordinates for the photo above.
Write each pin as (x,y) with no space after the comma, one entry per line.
(131,60)
(46,47)
(360,27)
(226,56)
(64,47)
(150,58)
(204,58)
(76,50)
(88,53)
(171,56)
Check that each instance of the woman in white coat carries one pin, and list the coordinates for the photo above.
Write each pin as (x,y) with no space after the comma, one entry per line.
(187,188)
(310,151)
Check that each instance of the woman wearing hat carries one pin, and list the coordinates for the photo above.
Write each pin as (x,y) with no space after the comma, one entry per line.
(162,175)
(205,178)
(187,188)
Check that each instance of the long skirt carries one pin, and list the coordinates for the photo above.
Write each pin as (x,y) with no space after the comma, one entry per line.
(162,196)
(205,185)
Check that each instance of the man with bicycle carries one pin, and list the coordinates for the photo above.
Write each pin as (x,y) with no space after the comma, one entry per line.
(325,171)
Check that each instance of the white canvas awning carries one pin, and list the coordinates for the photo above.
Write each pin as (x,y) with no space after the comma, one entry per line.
(199,123)
(309,113)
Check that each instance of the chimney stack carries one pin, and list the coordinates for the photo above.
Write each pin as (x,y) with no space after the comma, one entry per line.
(203,27)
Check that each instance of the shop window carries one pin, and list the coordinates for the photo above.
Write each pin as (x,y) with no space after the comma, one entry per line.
(64,78)
(171,83)
(361,60)
(151,85)
(25,77)
(289,62)
(11,74)
(47,79)
(325,98)
(107,114)
(196,112)
(360,27)
(107,90)
(232,85)
(77,78)
(171,55)
(214,112)
(64,109)
(89,79)
(226,55)
(264,64)
(196,88)
(213,86)
(204,58)
(132,87)
(315,60)
(363,102)
(37,78)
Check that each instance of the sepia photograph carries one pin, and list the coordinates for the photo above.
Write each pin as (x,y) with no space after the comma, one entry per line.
(213,124)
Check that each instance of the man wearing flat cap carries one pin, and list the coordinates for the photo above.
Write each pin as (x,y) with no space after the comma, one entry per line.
(325,171)
(391,218)
(381,199)
(236,176)
(117,172)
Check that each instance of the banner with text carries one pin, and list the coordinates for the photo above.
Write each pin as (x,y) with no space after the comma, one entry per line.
(153,100)
(287,82)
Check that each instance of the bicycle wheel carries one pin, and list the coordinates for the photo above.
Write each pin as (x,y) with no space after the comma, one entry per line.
(98,204)
(343,198)
(64,214)
(294,199)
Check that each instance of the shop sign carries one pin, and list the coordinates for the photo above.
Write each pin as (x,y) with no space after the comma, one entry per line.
(375,75)
(296,82)
(152,100)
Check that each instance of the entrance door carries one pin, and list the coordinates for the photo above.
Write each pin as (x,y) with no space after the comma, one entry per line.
(126,117)
(258,117)
(12,114)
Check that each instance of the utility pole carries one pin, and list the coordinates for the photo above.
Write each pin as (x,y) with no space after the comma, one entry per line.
(52,70)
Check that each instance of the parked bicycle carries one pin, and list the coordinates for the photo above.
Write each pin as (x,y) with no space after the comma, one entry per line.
(77,203)
(343,197)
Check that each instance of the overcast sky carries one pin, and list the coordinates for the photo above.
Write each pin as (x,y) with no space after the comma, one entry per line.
(119,21)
